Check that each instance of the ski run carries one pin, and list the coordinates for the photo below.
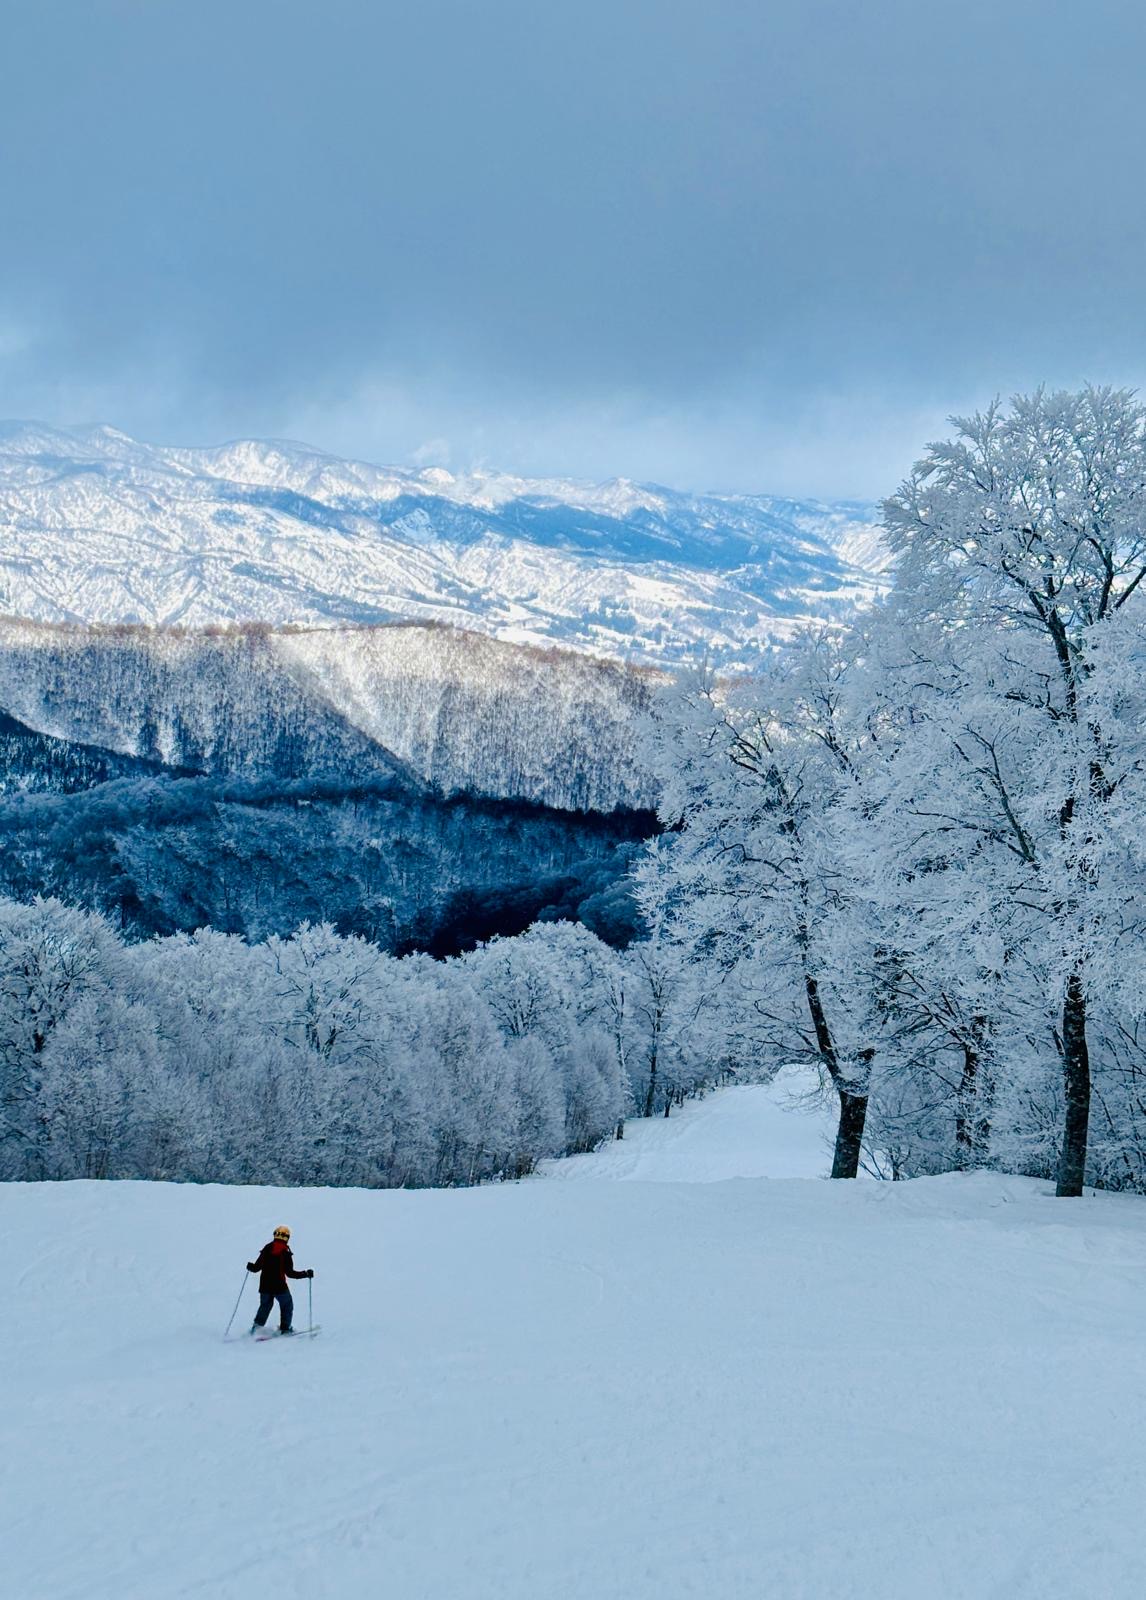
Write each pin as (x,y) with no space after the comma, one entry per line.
(688,1368)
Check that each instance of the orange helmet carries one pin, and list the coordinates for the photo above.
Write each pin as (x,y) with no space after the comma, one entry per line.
(282,1233)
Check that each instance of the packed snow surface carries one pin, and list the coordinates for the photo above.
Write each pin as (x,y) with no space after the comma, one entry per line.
(606,1390)
(739,1133)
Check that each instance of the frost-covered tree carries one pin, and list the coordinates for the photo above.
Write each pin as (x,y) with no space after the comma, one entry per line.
(560,987)
(103,1094)
(313,1059)
(221,1030)
(753,880)
(1022,550)
(52,958)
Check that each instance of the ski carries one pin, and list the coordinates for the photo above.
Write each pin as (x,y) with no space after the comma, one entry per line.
(297,1333)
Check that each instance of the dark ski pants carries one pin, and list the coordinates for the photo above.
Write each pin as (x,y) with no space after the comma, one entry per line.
(286,1308)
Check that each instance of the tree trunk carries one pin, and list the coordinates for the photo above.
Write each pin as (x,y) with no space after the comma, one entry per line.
(651,1093)
(973,1106)
(1076,1081)
(853,1107)
(849,1135)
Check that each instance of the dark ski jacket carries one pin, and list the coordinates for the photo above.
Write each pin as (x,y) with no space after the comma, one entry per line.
(275,1264)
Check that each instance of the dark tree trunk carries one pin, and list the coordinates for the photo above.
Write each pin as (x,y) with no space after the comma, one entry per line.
(849,1135)
(973,1107)
(651,1093)
(1076,1081)
(965,1109)
(853,1107)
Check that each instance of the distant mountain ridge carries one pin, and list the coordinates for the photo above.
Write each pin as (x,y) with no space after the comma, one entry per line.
(419,708)
(97,527)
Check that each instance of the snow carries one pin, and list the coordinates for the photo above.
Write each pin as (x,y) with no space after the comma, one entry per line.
(737,1133)
(640,1390)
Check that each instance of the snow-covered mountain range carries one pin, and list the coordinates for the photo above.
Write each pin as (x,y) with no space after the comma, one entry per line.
(257,685)
(97,527)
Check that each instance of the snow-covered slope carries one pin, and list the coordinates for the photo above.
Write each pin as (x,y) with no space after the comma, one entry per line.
(96,527)
(469,713)
(460,712)
(617,1391)
(213,703)
(782,1131)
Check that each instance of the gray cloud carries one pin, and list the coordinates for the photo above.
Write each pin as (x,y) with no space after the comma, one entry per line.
(733,244)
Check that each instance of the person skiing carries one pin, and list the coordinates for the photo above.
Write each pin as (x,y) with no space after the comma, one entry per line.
(275,1264)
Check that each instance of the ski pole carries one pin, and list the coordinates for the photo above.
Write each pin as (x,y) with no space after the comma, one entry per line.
(227,1329)
(310,1305)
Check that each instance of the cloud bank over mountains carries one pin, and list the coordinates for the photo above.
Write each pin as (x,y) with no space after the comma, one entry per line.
(722,246)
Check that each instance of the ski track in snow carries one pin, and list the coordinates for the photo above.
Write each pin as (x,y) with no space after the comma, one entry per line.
(737,1133)
(691,1382)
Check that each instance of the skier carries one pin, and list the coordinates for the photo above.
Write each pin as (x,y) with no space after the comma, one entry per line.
(276,1264)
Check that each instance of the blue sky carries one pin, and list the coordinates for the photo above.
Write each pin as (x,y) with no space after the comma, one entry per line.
(735,244)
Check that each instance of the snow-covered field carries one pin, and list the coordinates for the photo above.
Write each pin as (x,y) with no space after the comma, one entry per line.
(643,1390)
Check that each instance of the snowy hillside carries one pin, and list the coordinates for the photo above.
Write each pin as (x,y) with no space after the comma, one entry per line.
(416,785)
(623,1391)
(460,712)
(96,527)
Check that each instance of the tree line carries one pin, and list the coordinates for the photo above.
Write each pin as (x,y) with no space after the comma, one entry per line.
(160,855)
(321,1059)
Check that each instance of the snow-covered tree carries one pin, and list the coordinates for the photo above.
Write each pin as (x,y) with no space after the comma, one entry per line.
(102,1093)
(52,958)
(313,1059)
(1022,550)
(753,880)
(559,985)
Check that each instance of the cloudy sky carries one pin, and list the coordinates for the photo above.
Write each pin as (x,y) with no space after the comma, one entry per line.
(744,244)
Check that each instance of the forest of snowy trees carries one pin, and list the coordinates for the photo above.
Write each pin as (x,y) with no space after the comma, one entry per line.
(909,854)
(913,855)
(159,855)
(320,1059)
